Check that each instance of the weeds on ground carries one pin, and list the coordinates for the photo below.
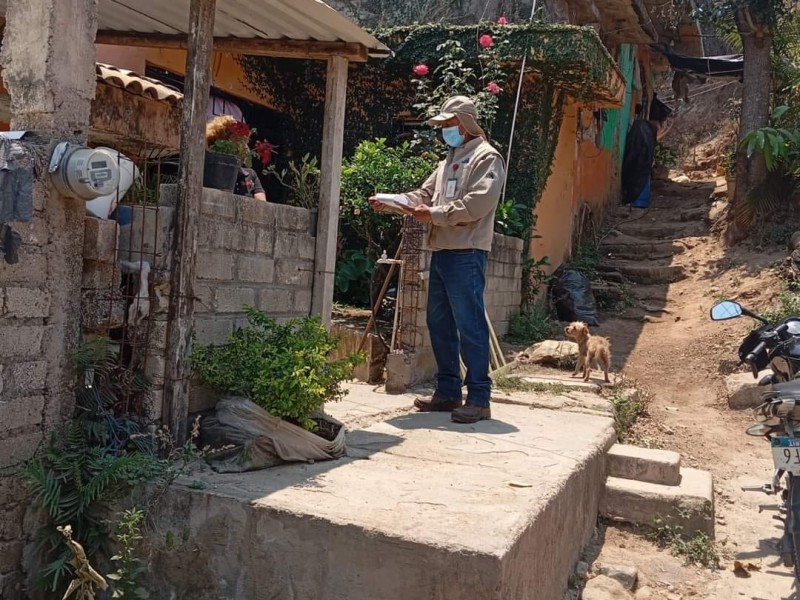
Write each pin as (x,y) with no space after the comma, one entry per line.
(629,404)
(130,567)
(586,259)
(696,550)
(534,325)
(610,302)
(517,384)
(788,305)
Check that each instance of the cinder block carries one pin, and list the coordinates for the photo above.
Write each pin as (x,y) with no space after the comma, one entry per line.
(148,238)
(204,295)
(302,302)
(100,275)
(276,301)
(259,269)
(100,239)
(16,449)
(33,233)
(22,412)
(31,268)
(292,218)
(690,504)
(21,340)
(212,330)
(235,236)
(218,204)
(101,310)
(234,299)
(26,303)
(215,266)
(644,464)
(294,245)
(253,211)
(265,242)
(294,272)
(28,376)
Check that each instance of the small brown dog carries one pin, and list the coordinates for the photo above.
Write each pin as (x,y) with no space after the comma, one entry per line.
(591,349)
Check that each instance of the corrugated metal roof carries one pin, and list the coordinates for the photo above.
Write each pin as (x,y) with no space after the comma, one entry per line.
(137,84)
(301,20)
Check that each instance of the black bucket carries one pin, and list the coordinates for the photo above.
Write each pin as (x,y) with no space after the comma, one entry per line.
(220,171)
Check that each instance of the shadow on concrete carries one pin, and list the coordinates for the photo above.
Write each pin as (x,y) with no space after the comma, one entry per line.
(436,422)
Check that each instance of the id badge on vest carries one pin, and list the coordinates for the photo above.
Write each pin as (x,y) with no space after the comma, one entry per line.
(450,188)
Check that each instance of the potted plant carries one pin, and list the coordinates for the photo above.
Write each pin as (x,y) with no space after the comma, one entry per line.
(228,150)
(303,182)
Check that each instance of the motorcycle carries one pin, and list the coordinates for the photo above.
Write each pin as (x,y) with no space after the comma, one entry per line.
(776,347)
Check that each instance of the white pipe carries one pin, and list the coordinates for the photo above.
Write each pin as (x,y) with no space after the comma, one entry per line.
(516,107)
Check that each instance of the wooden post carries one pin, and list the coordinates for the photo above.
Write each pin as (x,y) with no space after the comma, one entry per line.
(184,238)
(330,184)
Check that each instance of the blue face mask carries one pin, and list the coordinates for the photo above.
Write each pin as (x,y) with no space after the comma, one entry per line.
(452,136)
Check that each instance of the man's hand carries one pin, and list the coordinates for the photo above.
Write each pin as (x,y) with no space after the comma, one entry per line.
(422,213)
(376,206)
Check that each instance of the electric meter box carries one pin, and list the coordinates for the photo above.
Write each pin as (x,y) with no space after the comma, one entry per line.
(84,173)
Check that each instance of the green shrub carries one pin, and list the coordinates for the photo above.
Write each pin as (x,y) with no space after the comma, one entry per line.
(376,167)
(534,325)
(353,272)
(284,368)
(512,218)
(788,306)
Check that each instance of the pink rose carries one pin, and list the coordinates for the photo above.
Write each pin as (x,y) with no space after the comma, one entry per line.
(486,41)
(493,88)
(502,21)
(421,70)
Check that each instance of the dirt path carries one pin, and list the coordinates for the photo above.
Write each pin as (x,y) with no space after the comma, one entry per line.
(671,347)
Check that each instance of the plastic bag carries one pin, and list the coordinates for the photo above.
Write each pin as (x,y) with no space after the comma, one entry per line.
(571,294)
(253,439)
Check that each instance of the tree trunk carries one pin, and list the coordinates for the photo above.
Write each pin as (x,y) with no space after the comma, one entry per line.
(757,42)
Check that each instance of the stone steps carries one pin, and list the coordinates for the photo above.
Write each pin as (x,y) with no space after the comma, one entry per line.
(644,464)
(689,505)
(669,230)
(645,274)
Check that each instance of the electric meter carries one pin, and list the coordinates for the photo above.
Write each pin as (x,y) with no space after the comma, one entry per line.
(80,172)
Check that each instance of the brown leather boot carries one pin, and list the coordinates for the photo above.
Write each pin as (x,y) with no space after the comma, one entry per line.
(471,413)
(436,404)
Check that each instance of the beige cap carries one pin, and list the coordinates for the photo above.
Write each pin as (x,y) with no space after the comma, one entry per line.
(463,108)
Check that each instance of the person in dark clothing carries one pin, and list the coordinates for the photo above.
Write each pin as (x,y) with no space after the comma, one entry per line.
(248,184)
(640,150)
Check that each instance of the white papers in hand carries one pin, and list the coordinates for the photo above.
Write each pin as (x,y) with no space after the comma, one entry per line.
(397,200)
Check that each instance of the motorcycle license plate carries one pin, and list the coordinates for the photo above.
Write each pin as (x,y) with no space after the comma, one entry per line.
(786,454)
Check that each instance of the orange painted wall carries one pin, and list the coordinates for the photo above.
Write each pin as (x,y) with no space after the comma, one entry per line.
(556,206)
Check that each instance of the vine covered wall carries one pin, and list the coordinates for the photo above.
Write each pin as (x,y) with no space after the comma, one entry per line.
(563,60)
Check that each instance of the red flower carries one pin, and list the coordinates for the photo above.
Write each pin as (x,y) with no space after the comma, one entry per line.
(421,70)
(502,21)
(264,149)
(493,88)
(240,129)
(486,41)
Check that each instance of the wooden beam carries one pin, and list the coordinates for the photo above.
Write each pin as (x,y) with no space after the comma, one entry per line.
(252,46)
(185,227)
(330,186)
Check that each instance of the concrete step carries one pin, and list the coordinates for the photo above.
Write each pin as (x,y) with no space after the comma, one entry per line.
(690,504)
(645,273)
(479,501)
(643,464)
(662,230)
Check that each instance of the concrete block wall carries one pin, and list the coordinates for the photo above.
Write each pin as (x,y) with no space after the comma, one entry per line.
(248,253)
(39,330)
(503,297)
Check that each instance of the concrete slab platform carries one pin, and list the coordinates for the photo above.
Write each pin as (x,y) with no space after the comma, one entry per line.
(421,508)
(365,404)
(690,504)
(644,464)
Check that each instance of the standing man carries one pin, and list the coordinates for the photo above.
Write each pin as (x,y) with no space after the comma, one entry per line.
(458,203)
(640,152)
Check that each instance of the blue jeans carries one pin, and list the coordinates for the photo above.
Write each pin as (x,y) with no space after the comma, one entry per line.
(457,324)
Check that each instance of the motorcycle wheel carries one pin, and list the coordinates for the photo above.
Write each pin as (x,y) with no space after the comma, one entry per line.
(793,522)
